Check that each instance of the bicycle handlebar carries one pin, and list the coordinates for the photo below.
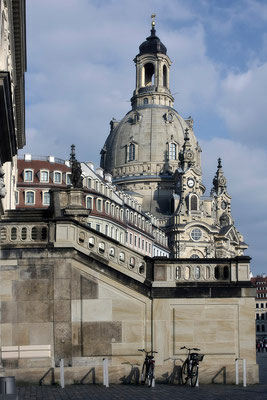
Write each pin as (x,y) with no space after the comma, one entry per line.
(147,352)
(187,348)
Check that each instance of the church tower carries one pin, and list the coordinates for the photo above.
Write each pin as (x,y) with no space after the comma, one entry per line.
(142,150)
(153,154)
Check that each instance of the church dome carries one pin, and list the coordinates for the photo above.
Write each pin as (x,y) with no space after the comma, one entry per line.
(147,141)
(152,45)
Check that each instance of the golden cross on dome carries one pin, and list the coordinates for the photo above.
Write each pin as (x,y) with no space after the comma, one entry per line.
(153,16)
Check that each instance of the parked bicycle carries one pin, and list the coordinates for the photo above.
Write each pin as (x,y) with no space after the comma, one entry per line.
(147,375)
(190,366)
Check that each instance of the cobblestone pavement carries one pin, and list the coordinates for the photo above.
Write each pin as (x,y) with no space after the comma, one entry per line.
(129,392)
(160,392)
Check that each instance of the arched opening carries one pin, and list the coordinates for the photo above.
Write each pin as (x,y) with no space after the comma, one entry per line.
(173,153)
(149,74)
(193,203)
(131,152)
(164,75)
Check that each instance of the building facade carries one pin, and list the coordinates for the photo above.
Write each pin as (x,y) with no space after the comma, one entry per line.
(260,283)
(12,95)
(73,288)
(36,176)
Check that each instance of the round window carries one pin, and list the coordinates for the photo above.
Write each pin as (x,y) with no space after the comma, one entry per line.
(196,234)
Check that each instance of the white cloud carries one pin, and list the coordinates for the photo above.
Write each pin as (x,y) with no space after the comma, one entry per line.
(243,105)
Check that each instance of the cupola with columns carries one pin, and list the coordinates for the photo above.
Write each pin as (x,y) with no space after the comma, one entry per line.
(152,72)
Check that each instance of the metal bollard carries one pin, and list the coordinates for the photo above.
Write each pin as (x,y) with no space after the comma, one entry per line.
(62,381)
(105,372)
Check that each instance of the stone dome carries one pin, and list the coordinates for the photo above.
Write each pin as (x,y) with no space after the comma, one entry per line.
(157,133)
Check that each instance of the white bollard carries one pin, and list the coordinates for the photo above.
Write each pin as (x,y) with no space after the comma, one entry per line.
(105,372)
(244,372)
(236,371)
(62,383)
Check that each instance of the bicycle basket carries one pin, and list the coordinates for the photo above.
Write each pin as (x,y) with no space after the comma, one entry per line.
(196,356)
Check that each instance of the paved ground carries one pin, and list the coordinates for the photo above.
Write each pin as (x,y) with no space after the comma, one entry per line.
(160,392)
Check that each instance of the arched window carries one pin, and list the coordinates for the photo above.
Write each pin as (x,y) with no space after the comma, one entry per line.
(89,203)
(101,247)
(29,198)
(187,273)
(164,75)
(132,262)
(44,233)
(149,74)
(197,272)
(122,256)
(194,256)
(131,152)
(145,100)
(13,235)
(24,233)
(178,273)
(225,272)
(3,234)
(34,233)
(193,203)
(91,242)
(141,268)
(172,151)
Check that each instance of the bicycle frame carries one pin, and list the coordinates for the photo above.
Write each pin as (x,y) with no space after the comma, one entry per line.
(190,366)
(148,368)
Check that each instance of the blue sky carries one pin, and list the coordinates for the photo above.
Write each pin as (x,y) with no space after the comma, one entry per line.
(81,74)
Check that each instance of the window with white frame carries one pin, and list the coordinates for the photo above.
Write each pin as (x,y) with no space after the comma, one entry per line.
(57,177)
(68,178)
(131,152)
(107,204)
(28,175)
(29,197)
(16,196)
(44,176)
(172,151)
(99,205)
(89,183)
(46,198)
(89,203)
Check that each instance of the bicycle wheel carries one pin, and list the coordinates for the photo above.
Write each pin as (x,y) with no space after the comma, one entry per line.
(194,375)
(143,374)
(184,373)
(150,375)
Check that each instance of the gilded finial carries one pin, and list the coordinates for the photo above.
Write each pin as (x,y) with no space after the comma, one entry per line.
(153,16)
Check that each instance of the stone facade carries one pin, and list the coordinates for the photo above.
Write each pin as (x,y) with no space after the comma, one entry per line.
(12,95)
(61,285)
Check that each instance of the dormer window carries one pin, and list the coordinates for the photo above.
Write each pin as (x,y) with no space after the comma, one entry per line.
(44,176)
(172,151)
(131,152)
(57,177)
(28,175)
